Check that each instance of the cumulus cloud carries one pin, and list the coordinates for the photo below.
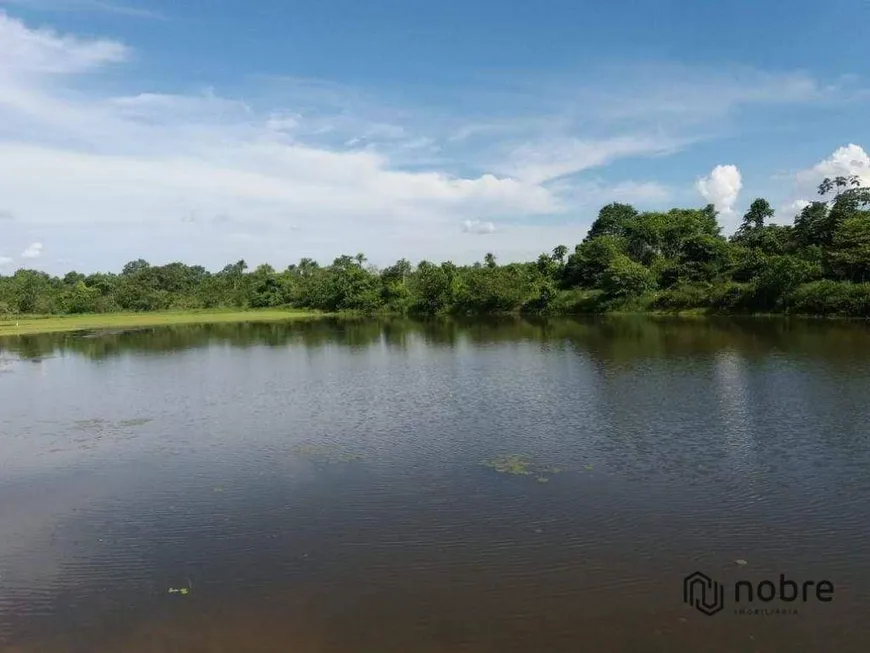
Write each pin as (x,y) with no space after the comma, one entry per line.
(478,227)
(34,250)
(790,209)
(4,261)
(721,188)
(845,161)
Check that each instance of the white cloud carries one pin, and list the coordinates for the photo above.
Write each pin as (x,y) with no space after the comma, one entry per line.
(152,158)
(721,188)
(845,161)
(309,168)
(544,161)
(790,209)
(43,51)
(478,227)
(34,250)
(4,261)
(598,193)
(701,92)
(266,181)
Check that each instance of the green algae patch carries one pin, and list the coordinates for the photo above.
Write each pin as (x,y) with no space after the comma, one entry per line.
(511,464)
(522,465)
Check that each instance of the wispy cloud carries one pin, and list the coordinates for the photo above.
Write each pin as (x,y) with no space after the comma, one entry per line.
(547,160)
(26,51)
(102,6)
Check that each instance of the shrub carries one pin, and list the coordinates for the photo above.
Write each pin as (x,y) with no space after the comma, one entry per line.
(831,298)
(625,278)
(732,297)
(780,276)
(683,297)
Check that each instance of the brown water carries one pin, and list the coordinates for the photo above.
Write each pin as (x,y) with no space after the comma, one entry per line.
(318,487)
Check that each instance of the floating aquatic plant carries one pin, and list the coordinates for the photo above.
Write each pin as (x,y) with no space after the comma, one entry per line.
(137,421)
(511,464)
(184,591)
(522,465)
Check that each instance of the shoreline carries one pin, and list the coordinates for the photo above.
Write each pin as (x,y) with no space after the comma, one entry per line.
(34,325)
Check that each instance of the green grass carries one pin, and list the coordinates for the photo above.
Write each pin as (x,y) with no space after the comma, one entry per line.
(30,324)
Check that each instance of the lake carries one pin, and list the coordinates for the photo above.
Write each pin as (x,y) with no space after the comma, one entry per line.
(394,486)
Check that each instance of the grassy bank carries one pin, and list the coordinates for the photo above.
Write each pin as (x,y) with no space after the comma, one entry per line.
(29,324)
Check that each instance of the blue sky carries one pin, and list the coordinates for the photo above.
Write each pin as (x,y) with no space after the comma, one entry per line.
(265,130)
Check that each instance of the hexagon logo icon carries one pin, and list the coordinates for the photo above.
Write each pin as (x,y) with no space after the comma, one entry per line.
(703,593)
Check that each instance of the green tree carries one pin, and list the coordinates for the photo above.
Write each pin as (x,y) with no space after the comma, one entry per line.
(612,220)
(809,224)
(590,259)
(780,276)
(849,257)
(395,292)
(626,278)
(434,288)
(753,222)
(80,299)
(819,221)
(494,290)
(135,266)
(559,254)
(655,234)
(266,288)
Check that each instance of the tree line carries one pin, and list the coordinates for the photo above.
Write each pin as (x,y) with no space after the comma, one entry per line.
(629,260)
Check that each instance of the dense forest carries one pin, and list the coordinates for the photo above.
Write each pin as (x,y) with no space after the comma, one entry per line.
(629,260)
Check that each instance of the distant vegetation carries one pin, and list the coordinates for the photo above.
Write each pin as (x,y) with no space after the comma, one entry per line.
(629,261)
